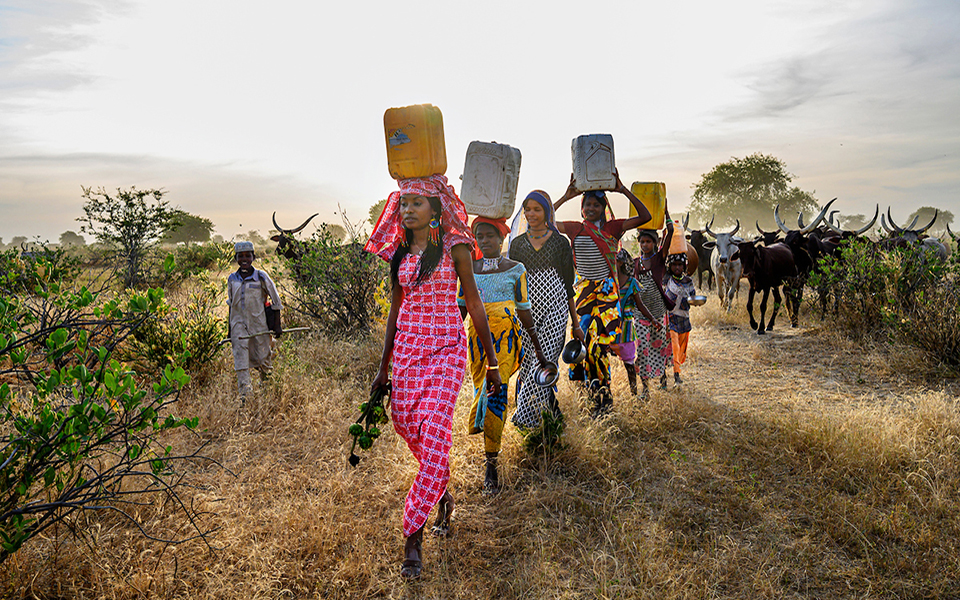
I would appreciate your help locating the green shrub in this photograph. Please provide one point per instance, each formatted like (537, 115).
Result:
(903, 293)
(335, 284)
(79, 431)
(187, 335)
(209, 256)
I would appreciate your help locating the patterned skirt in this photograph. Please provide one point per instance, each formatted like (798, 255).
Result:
(426, 382)
(654, 348)
(598, 306)
(486, 414)
(548, 306)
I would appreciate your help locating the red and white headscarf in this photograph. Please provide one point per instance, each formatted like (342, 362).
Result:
(389, 231)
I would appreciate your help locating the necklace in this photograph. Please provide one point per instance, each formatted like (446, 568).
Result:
(491, 264)
(537, 237)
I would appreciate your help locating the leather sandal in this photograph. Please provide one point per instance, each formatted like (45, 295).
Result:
(412, 568)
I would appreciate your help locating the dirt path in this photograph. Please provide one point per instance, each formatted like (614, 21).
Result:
(805, 369)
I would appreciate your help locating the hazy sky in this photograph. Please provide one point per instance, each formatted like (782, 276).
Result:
(241, 108)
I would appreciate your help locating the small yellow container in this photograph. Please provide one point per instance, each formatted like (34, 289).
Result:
(653, 195)
(415, 145)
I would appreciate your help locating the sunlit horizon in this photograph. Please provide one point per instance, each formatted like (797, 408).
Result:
(239, 110)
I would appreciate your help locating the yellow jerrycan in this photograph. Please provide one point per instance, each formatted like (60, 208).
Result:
(415, 145)
(653, 195)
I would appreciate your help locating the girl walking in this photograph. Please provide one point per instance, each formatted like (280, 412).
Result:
(536, 243)
(502, 284)
(596, 240)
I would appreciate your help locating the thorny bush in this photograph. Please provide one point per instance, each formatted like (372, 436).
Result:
(904, 293)
(80, 431)
(335, 283)
(187, 335)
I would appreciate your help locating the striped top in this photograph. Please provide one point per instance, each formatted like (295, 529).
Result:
(651, 296)
(590, 261)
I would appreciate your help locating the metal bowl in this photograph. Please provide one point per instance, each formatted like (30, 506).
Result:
(546, 375)
(698, 300)
(574, 352)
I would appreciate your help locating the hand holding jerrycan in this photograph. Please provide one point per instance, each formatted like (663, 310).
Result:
(593, 162)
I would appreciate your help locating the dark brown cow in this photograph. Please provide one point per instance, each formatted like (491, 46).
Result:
(766, 268)
(695, 239)
(287, 245)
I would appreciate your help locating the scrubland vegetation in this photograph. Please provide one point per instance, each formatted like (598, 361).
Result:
(804, 464)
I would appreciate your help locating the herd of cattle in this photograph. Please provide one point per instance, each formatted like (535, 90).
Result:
(768, 262)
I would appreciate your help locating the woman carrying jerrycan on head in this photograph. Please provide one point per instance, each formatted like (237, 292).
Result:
(502, 284)
(423, 233)
(536, 242)
(596, 241)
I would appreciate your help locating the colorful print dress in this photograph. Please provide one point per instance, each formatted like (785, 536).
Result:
(597, 295)
(503, 293)
(550, 278)
(654, 350)
(429, 361)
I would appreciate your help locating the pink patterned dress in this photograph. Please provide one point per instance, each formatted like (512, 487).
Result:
(429, 362)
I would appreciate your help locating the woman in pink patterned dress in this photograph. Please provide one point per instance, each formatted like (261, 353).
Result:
(423, 232)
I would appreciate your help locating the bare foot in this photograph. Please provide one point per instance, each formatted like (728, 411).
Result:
(443, 526)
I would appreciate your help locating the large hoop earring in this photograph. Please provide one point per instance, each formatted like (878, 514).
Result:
(435, 231)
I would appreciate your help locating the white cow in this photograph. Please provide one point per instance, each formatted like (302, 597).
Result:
(727, 272)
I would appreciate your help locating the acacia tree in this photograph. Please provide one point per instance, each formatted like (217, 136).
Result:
(925, 213)
(189, 228)
(131, 222)
(748, 189)
(72, 238)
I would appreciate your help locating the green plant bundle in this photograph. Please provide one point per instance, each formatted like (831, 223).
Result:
(366, 429)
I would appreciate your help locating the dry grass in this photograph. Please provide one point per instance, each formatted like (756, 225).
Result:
(793, 465)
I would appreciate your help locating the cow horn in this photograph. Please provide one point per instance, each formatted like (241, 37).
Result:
(866, 227)
(757, 224)
(952, 235)
(815, 222)
(776, 217)
(897, 228)
(800, 220)
(280, 229)
(294, 230)
(706, 227)
(936, 213)
(686, 221)
(736, 229)
(830, 218)
(883, 222)
(304, 224)
(834, 228)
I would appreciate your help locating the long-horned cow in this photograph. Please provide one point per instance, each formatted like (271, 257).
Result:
(696, 239)
(766, 268)
(287, 245)
(902, 236)
(727, 269)
(807, 250)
